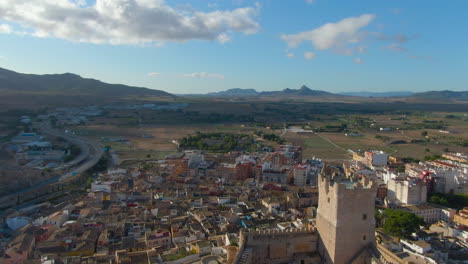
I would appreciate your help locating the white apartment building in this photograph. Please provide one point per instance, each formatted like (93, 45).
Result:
(405, 190)
(432, 213)
(301, 174)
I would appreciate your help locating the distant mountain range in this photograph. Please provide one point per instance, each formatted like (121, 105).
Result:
(68, 84)
(235, 92)
(462, 96)
(379, 94)
(305, 91)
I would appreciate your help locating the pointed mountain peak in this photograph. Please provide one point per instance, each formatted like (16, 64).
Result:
(304, 88)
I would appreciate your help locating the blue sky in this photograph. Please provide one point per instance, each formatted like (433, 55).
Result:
(211, 45)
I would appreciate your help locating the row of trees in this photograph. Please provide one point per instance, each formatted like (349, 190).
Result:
(218, 142)
(270, 137)
(458, 201)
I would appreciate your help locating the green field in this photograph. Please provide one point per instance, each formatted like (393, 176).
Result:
(154, 136)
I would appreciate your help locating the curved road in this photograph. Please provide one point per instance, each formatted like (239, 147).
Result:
(90, 154)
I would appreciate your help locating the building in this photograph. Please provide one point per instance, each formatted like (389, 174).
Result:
(461, 217)
(382, 192)
(432, 213)
(456, 156)
(55, 155)
(287, 155)
(275, 247)
(227, 171)
(245, 167)
(301, 174)
(405, 190)
(375, 158)
(441, 176)
(420, 247)
(158, 238)
(26, 138)
(345, 219)
(277, 174)
(358, 157)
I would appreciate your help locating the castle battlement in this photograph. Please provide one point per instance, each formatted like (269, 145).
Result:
(340, 184)
(268, 232)
(277, 246)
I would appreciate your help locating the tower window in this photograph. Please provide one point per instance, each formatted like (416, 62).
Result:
(364, 237)
(364, 216)
(328, 199)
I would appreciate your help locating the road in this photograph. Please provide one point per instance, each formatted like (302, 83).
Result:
(333, 143)
(90, 154)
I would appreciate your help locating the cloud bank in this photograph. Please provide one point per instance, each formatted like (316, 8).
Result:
(204, 75)
(139, 22)
(332, 35)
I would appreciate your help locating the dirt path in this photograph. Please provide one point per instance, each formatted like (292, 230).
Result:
(331, 142)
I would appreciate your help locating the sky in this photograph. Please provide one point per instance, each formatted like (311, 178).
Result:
(199, 46)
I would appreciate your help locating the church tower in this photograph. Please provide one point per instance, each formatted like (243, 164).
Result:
(345, 218)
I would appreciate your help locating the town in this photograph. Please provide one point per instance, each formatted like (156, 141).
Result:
(262, 206)
(233, 131)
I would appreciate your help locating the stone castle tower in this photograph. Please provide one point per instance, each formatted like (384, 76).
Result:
(345, 219)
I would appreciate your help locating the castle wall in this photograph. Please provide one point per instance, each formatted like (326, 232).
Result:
(273, 246)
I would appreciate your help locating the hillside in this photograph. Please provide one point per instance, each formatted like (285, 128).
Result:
(443, 95)
(306, 92)
(379, 94)
(235, 92)
(303, 91)
(68, 84)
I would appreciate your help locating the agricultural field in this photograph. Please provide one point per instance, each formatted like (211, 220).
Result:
(150, 141)
(406, 139)
(155, 134)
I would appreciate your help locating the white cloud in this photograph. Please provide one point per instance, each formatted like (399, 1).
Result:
(337, 36)
(358, 60)
(361, 49)
(154, 74)
(204, 75)
(4, 28)
(80, 2)
(310, 2)
(398, 38)
(138, 22)
(290, 55)
(396, 47)
(309, 55)
(224, 38)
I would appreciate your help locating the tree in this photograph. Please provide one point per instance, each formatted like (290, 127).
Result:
(432, 157)
(457, 201)
(424, 133)
(401, 224)
(438, 200)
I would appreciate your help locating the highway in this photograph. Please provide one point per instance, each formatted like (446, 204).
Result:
(90, 154)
